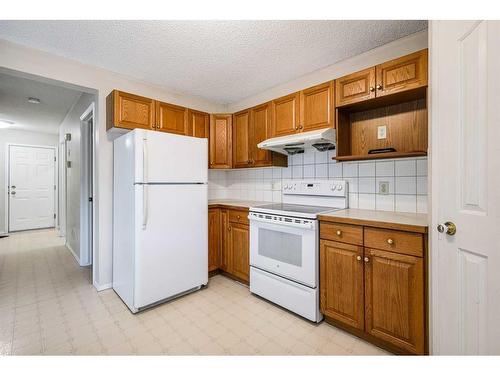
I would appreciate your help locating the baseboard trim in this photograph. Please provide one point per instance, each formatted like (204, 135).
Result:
(103, 286)
(72, 252)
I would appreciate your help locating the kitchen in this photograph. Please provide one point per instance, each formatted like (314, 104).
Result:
(313, 200)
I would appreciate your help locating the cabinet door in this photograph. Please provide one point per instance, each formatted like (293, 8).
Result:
(316, 107)
(240, 250)
(285, 115)
(171, 118)
(260, 130)
(394, 299)
(130, 111)
(355, 87)
(213, 239)
(241, 141)
(198, 124)
(406, 73)
(220, 141)
(341, 282)
(225, 261)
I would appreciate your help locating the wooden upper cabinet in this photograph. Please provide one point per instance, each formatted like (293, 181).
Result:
(240, 244)
(214, 254)
(316, 107)
(171, 118)
(220, 141)
(355, 87)
(341, 282)
(129, 111)
(394, 299)
(198, 123)
(260, 130)
(405, 73)
(241, 140)
(285, 115)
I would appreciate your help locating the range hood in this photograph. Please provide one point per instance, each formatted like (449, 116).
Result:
(322, 140)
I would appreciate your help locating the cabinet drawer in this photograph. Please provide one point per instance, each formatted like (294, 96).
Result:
(352, 234)
(239, 216)
(394, 240)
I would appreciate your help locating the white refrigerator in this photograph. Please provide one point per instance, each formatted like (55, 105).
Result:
(160, 217)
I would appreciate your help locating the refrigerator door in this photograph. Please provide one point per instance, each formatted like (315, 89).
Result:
(171, 242)
(169, 158)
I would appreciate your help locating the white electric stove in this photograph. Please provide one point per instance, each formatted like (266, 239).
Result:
(284, 244)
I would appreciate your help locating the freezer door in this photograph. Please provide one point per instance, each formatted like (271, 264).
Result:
(171, 241)
(170, 158)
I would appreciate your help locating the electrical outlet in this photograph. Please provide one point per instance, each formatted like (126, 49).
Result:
(382, 132)
(383, 187)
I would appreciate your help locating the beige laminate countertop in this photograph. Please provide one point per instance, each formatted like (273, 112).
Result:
(381, 219)
(234, 203)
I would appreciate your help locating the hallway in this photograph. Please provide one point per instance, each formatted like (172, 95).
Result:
(48, 306)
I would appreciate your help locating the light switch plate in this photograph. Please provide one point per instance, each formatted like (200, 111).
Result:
(382, 132)
(383, 187)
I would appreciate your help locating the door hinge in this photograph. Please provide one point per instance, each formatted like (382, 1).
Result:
(54, 216)
(54, 187)
(90, 199)
(54, 158)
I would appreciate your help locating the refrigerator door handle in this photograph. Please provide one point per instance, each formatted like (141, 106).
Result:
(144, 206)
(145, 180)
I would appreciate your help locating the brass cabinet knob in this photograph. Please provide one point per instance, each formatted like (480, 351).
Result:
(449, 227)
(372, 89)
(390, 241)
(339, 233)
(358, 258)
(379, 87)
(366, 259)
(229, 229)
(238, 217)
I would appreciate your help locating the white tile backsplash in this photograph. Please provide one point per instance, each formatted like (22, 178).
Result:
(407, 181)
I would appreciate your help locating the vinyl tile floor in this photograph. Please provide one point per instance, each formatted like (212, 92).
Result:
(48, 306)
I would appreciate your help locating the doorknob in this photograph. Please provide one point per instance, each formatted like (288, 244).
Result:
(449, 228)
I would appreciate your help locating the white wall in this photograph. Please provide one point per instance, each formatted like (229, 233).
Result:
(373, 57)
(71, 125)
(21, 137)
(31, 61)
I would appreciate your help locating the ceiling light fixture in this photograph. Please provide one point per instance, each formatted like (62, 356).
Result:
(5, 124)
(34, 100)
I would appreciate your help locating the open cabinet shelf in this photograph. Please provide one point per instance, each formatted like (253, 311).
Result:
(385, 155)
(406, 130)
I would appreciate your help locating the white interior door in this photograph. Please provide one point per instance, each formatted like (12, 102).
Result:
(31, 187)
(465, 277)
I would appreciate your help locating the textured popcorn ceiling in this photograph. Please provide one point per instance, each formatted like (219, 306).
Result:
(223, 61)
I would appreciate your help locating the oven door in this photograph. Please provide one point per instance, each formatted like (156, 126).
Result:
(285, 246)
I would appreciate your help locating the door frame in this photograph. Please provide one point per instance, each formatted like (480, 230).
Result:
(86, 231)
(7, 180)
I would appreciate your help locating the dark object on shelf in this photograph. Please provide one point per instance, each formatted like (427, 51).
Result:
(381, 150)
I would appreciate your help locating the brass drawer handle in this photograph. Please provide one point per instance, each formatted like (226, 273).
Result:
(379, 87)
(339, 233)
(372, 89)
(358, 258)
(366, 259)
(390, 241)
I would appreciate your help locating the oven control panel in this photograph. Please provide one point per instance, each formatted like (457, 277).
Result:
(329, 188)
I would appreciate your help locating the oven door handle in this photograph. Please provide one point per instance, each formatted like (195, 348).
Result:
(309, 226)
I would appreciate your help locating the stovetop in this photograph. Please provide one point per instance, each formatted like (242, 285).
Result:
(294, 210)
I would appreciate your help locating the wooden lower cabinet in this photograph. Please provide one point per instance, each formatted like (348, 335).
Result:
(377, 294)
(394, 299)
(214, 253)
(231, 233)
(239, 243)
(341, 282)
